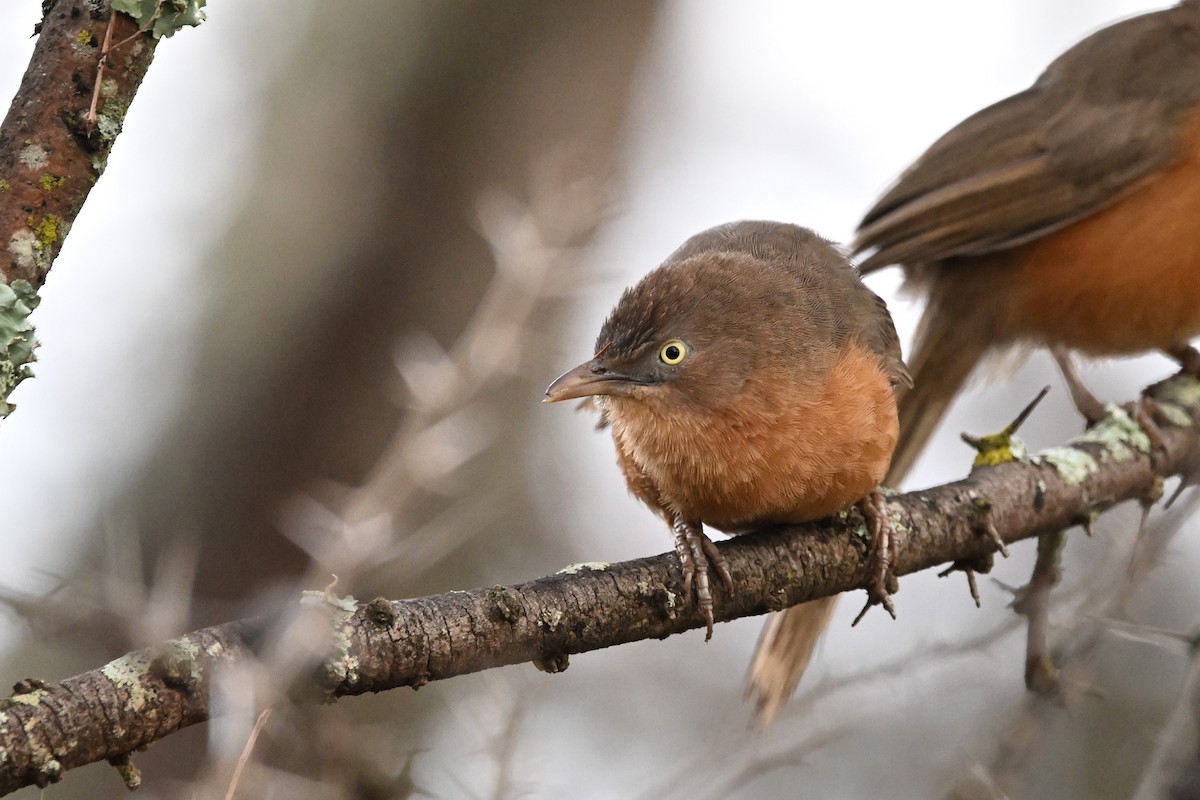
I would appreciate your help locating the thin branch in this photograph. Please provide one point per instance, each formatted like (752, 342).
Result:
(47, 729)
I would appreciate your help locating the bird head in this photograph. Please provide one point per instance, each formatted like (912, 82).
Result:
(688, 335)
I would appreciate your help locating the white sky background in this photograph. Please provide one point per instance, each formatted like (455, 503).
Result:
(802, 112)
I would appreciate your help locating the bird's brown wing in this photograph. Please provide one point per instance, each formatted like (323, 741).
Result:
(1104, 116)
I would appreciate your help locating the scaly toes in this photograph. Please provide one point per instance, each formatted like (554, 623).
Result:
(883, 552)
(696, 553)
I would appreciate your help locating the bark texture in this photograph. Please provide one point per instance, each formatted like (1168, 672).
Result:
(51, 151)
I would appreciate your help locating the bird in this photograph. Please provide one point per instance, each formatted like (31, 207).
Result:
(748, 381)
(1064, 216)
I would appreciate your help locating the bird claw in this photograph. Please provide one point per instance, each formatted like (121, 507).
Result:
(883, 581)
(697, 555)
(1147, 412)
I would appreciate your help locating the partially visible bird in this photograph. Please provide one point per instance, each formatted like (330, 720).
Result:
(1067, 216)
(750, 380)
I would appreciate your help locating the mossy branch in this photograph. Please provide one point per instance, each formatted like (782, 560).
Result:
(47, 729)
(54, 143)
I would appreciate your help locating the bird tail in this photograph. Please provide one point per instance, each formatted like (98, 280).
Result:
(944, 355)
(784, 649)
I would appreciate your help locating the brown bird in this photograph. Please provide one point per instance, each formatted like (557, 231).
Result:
(750, 380)
(1066, 216)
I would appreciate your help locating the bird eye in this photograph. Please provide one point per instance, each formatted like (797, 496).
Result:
(673, 352)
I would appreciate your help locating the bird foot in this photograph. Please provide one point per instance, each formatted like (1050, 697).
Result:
(1188, 358)
(1147, 413)
(697, 555)
(882, 583)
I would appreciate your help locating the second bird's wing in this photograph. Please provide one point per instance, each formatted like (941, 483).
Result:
(1118, 107)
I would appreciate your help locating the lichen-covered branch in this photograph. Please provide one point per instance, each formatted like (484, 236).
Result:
(51, 154)
(54, 143)
(382, 644)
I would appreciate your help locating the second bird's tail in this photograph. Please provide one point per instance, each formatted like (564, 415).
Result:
(943, 357)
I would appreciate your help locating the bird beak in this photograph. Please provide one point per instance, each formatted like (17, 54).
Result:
(588, 379)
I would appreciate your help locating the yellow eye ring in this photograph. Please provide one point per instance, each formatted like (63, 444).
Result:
(673, 352)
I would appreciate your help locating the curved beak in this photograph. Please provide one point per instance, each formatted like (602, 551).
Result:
(588, 379)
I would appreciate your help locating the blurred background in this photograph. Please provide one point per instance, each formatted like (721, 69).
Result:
(367, 236)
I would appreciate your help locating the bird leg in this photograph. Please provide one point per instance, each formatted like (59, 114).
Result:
(696, 554)
(1087, 403)
(1141, 410)
(883, 552)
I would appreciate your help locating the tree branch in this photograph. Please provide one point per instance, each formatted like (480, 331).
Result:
(382, 644)
(54, 143)
(51, 153)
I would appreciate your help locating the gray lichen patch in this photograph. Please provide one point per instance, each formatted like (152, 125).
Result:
(33, 156)
(588, 566)
(341, 665)
(129, 672)
(22, 246)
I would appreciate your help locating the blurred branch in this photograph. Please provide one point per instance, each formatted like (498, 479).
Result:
(383, 644)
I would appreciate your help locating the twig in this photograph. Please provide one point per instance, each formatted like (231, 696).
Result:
(1033, 602)
(244, 758)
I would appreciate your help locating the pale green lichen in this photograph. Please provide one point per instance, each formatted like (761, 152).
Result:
(589, 566)
(550, 619)
(129, 673)
(33, 698)
(1072, 464)
(1182, 391)
(1119, 437)
(1175, 415)
(1119, 434)
(163, 17)
(4, 185)
(17, 340)
(899, 523)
